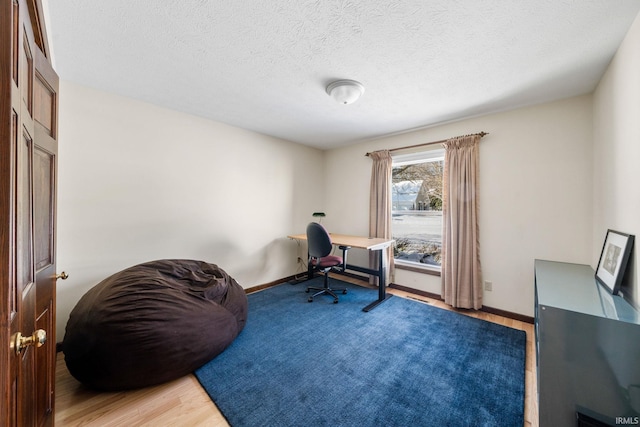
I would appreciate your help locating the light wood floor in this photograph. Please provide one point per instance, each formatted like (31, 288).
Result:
(183, 402)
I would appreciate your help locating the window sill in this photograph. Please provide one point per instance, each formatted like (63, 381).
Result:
(417, 268)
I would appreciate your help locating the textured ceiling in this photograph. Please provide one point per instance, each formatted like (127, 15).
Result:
(264, 65)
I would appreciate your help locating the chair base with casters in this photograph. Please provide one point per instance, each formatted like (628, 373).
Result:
(326, 289)
(325, 264)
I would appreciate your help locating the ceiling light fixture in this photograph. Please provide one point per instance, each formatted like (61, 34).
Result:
(345, 91)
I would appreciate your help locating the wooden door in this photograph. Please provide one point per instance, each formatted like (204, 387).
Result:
(28, 160)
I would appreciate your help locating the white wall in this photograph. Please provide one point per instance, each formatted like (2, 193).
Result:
(138, 182)
(616, 138)
(535, 193)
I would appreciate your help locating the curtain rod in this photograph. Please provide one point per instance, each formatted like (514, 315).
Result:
(434, 142)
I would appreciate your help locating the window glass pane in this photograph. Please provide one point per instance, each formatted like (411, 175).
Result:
(417, 211)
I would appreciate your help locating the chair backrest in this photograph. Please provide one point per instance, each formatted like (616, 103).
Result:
(318, 240)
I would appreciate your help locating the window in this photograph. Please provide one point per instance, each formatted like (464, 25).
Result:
(417, 209)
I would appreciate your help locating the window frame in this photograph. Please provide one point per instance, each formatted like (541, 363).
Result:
(423, 156)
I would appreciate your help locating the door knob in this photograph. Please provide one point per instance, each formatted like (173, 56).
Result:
(19, 342)
(62, 276)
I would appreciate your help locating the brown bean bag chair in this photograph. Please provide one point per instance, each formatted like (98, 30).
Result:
(152, 323)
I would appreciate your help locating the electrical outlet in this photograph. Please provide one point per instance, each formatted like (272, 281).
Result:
(488, 286)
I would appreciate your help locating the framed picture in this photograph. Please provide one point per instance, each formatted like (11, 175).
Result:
(613, 260)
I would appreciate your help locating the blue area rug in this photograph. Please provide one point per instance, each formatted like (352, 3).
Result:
(405, 363)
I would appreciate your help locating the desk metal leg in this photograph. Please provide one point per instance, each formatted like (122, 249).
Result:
(381, 274)
(309, 269)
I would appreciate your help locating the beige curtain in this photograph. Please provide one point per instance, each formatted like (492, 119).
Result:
(461, 272)
(380, 208)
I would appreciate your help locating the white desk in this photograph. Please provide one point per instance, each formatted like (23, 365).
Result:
(368, 243)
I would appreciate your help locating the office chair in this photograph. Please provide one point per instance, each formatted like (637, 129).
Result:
(320, 259)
